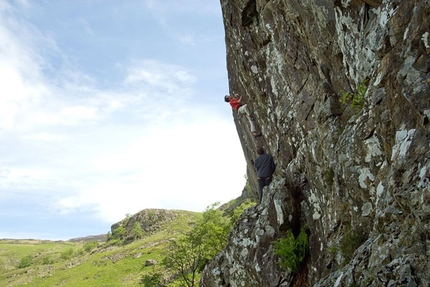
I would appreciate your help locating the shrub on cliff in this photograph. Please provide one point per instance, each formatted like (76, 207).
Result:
(291, 250)
(189, 254)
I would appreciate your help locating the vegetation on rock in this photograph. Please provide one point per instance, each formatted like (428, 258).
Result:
(355, 100)
(292, 250)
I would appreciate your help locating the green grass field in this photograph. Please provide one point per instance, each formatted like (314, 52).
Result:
(39, 263)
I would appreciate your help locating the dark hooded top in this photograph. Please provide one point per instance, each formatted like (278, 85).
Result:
(264, 165)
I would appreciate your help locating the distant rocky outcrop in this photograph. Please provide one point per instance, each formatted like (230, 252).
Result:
(89, 238)
(340, 90)
(149, 221)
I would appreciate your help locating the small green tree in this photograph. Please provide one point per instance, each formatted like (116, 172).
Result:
(212, 230)
(237, 212)
(25, 262)
(189, 254)
(291, 250)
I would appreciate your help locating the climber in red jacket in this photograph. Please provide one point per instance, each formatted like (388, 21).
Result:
(242, 109)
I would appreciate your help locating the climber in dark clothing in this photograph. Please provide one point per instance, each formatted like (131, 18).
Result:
(265, 167)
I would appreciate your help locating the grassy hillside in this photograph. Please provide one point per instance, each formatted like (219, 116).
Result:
(47, 263)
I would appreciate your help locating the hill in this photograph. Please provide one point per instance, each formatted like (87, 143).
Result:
(90, 238)
(90, 261)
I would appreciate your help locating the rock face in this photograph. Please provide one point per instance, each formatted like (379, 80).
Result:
(149, 220)
(340, 90)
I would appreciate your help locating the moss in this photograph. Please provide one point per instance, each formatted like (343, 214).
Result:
(329, 176)
(383, 222)
(344, 209)
(351, 241)
(333, 249)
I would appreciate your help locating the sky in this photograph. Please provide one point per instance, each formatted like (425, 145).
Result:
(110, 107)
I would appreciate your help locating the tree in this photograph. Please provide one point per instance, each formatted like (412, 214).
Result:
(237, 212)
(25, 261)
(189, 254)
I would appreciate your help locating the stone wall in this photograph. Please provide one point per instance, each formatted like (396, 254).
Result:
(356, 176)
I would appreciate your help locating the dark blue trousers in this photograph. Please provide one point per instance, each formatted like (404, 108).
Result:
(262, 182)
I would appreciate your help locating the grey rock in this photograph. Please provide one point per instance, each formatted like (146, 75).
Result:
(355, 177)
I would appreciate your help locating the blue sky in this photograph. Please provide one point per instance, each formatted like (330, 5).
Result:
(109, 107)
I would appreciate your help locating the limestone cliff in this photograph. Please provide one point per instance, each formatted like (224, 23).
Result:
(340, 91)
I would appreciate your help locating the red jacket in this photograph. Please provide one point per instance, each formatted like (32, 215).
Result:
(235, 104)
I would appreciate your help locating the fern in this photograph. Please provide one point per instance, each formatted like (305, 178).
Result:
(291, 250)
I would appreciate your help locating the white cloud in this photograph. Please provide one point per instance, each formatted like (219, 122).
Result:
(180, 166)
(45, 137)
(146, 141)
(163, 77)
(82, 113)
